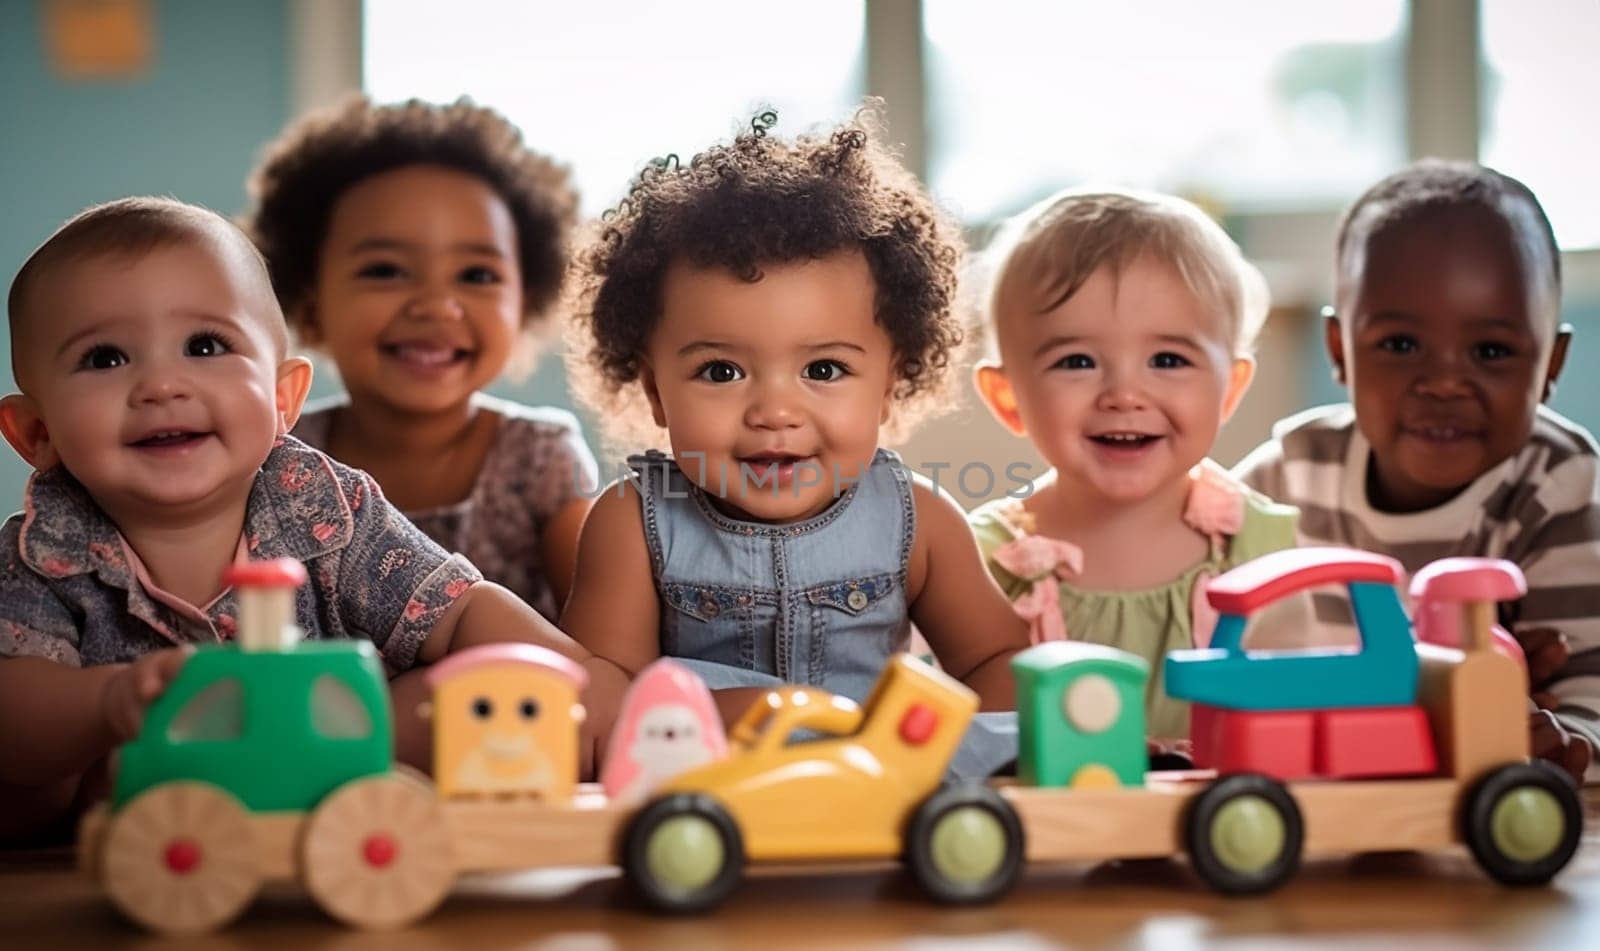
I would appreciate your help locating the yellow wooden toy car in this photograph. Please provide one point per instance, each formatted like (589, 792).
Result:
(812, 776)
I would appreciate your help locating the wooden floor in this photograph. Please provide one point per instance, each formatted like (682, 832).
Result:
(1377, 901)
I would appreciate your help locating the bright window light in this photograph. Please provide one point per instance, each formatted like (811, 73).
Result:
(1539, 67)
(1255, 105)
(607, 85)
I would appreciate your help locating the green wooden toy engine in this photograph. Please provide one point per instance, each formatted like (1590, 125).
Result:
(278, 724)
(1080, 715)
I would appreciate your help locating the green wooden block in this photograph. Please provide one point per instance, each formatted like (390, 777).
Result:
(1080, 714)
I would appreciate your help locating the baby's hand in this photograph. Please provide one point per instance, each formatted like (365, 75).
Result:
(602, 699)
(125, 696)
(1550, 740)
(1546, 650)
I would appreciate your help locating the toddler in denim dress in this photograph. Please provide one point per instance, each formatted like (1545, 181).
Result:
(751, 604)
(775, 306)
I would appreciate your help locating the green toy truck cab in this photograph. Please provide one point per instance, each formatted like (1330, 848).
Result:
(1080, 715)
(279, 730)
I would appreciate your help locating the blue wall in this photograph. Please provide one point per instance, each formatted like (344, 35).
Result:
(189, 127)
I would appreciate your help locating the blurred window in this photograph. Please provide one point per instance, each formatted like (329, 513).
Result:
(607, 85)
(1256, 105)
(1539, 68)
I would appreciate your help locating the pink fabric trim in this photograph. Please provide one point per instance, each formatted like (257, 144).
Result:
(184, 609)
(1215, 508)
(1042, 562)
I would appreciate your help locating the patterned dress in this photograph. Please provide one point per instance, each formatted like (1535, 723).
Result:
(538, 463)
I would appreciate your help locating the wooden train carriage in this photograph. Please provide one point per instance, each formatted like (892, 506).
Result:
(506, 722)
(1246, 832)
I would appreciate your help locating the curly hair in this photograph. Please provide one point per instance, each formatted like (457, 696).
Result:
(756, 201)
(1432, 184)
(315, 161)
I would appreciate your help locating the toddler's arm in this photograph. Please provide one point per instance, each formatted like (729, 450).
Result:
(1561, 560)
(957, 605)
(559, 545)
(57, 722)
(1262, 470)
(564, 505)
(613, 611)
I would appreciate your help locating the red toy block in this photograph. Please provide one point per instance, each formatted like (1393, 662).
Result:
(1277, 743)
(1258, 583)
(1202, 734)
(1374, 741)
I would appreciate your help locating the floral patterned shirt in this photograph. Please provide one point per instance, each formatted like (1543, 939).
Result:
(68, 591)
(538, 463)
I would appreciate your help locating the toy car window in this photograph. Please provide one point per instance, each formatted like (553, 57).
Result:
(215, 714)
(336, 712)
(1320, 617)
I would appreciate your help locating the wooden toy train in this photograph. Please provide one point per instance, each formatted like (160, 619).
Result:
(272, 761)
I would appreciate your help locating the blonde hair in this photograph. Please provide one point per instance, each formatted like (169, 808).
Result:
(1041, 257)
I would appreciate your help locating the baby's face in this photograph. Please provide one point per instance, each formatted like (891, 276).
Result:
(1123, 386)
(772, 393)
(419, 293)
(1445, 340)
(154, 377)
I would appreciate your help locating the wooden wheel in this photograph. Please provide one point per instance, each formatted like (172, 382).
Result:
(181, 858)
(376, 853)
(965, 845)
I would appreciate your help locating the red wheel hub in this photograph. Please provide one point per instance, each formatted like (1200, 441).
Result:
(379, 850)
(182, 856)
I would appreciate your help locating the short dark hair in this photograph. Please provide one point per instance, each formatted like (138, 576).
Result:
(1432, 184)
(304, 173)
(133, 227)
(762, 200)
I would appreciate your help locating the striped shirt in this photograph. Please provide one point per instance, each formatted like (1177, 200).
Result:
(1540, 509)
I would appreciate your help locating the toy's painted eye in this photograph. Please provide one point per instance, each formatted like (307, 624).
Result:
(482, 708)
(529, 708)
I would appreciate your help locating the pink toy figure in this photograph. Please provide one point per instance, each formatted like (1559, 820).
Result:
(1437, 619)
(668, 724)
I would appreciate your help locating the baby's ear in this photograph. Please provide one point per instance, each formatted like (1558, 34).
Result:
(1333, 338)
(25, 430)
(1558, 359)
(995, 389)
(294, 382)
(1240, 373)
(647, 379)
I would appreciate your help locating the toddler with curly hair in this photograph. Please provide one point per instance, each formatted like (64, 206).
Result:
(772, 305)
(419, 246)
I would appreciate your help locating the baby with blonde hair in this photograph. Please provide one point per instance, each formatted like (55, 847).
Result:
(1120, 326)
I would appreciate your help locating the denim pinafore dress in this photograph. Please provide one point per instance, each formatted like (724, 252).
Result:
(749, 604)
